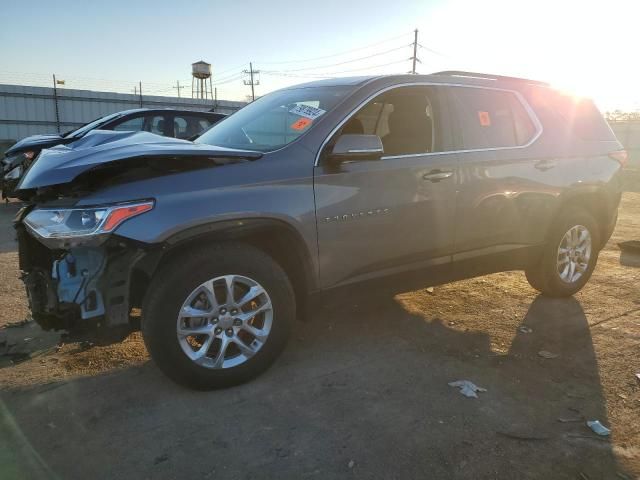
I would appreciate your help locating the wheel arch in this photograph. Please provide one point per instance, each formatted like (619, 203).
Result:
(281, 241)
(596, 202)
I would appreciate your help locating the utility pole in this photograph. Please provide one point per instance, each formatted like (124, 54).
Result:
(55, 99)
(140, 92)
(178, 87)
(251, 72)
(415, 51)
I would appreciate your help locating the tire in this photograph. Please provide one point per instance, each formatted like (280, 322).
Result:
(184, 285)
(548, 276)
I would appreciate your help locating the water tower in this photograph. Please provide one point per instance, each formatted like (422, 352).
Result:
(201, 72)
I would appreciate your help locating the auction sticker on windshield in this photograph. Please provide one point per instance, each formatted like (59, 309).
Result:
(307, 111)
(301, 124)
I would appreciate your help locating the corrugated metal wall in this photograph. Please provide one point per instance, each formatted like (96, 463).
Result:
(28, 110)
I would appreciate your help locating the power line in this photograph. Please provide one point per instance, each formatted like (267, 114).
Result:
(345, 62)
(229, 80)
(330, 74)
(435, 52)
(338, 54)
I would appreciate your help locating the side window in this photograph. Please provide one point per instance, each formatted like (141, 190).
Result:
(186, 126)
(131, 125)
(155, 124)
(406, 119)
(180, 127)
(491, 118)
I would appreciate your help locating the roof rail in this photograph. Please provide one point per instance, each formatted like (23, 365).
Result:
(488, 76)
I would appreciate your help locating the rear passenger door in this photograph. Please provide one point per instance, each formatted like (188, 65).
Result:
(154, 123)
(396, 214)
(501, 185)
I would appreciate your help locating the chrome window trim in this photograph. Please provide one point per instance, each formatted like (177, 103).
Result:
(518, 95)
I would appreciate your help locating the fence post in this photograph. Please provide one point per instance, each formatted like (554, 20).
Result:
(55, 102)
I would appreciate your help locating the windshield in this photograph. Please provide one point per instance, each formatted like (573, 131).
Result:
(274, 120)
(87, 127)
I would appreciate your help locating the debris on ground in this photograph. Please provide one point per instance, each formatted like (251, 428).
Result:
(521, 436)
(638, 376)
(467, 388)
(598, 428)
(569, 420)
(630, 246)
(351, 464)
(525, 329)
(430, 289)
(547, 354)
(19, 324)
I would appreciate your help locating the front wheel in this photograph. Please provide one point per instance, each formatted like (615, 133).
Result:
(218, 316)
(569, 257)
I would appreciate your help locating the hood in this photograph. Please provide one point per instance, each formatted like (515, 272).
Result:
(63, 163)
(34, 141)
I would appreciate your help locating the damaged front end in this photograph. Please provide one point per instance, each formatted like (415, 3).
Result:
(75, 266)
(68, 282)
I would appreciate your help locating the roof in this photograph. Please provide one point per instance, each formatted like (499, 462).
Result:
(449, 76)
(163, 109)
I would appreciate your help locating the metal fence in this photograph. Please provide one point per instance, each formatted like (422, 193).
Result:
(629, 135)
(26, 110)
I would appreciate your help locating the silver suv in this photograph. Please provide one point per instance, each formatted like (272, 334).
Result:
(389, 182)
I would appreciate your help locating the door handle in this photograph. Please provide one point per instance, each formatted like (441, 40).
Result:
(437, 175)
(543, 165)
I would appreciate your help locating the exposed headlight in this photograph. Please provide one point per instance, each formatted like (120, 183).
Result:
(17, 159)
(50, 223)
(14, 174)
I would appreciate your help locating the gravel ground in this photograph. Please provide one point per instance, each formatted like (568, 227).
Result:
(360, 392)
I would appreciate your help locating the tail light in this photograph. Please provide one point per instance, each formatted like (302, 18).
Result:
(620, 156)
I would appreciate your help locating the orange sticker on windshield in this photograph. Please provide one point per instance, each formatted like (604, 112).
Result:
(485, 119)
(301, 124)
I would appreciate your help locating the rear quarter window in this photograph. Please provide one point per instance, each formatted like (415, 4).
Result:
(491, 118)
(580, 116)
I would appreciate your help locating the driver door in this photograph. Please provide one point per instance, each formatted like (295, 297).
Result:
(395, 214)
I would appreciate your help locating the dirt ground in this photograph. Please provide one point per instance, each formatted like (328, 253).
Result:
(360, 392)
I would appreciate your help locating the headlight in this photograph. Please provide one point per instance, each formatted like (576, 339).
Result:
(51, 223)
(14, 174)
(18, 159)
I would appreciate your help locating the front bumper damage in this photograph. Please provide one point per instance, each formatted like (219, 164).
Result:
(68, 287)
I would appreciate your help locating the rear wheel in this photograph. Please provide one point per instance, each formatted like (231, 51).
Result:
(569, 257)
(218, 317)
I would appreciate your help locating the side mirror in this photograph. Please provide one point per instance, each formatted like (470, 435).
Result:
(351, 147)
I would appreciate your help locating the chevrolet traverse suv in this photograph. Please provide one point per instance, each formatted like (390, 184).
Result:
(394, 181)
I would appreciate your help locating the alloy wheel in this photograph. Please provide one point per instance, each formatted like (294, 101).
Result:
(224, 321)
(574, 253)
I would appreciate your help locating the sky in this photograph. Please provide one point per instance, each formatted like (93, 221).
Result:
(584, 47)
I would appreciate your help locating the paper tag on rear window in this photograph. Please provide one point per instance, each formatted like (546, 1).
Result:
(307, 111)
(485, 119)
(301, 124)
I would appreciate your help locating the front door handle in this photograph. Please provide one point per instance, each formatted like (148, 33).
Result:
(437, 175)
(543, 165)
